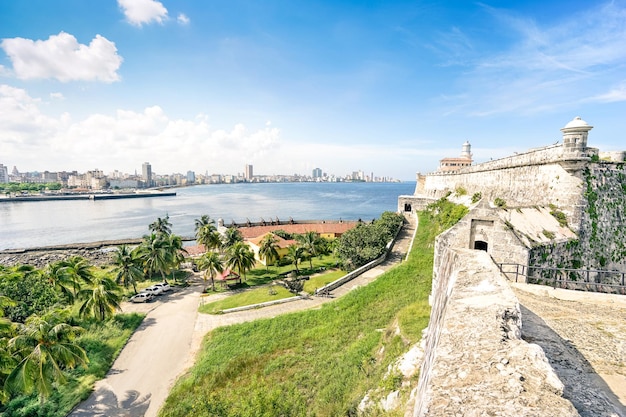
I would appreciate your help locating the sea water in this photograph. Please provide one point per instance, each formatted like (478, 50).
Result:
(44, 223)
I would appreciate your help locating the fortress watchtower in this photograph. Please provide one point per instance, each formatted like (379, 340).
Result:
(575, 137)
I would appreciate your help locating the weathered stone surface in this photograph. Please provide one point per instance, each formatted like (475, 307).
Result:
(476, 364)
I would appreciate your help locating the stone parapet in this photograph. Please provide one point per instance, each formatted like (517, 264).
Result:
(476, 362)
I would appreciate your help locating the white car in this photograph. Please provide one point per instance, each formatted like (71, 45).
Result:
(164, 286)
(154, 290)
(142, 297)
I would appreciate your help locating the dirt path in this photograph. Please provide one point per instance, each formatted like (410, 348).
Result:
(166, 343)
(584, 338)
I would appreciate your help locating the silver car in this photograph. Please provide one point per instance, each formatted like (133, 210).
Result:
(142, 297)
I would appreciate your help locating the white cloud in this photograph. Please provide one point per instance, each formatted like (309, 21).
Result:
(615, 94)
(138, 12)
(547, 67)
(182, 19)
(123, 140)
(63, 58)
(57, 96)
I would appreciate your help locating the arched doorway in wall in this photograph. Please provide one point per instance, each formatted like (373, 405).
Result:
(481, 245)
(407, 207)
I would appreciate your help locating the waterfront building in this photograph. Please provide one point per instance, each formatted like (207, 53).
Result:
(191, 177)
(248, 173)
(146, 173)
(4, 174)
(317, 173)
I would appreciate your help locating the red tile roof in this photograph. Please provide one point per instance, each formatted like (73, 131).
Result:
(335, 228)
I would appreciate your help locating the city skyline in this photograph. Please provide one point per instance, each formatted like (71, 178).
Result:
(393, 87)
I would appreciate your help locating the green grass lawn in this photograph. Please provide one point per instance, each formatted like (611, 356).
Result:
(246, 298)
(312, 363)
(320, 280)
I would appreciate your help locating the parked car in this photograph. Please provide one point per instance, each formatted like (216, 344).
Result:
(142, 297)
(164, 286)
(154, 290)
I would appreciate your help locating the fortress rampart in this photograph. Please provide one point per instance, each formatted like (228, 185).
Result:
(559, 206)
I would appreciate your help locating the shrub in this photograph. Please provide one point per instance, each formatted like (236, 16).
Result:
(460, 191)
(499, 202)
(476, 197)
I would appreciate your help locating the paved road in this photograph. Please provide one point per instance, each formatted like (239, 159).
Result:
(166, 343)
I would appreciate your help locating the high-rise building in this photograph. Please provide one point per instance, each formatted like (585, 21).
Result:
(146, 173)
(248, 173)
(4, 174)
(317, 173)
(191, 177)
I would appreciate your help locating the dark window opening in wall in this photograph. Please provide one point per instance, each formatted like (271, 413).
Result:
(407, 207)
(481, 245)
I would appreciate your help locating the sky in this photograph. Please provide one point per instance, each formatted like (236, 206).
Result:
(386, 87)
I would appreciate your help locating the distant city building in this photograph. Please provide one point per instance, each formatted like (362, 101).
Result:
(146, 173)
(454, 164)
(248, 173)
(191, 177)
(317, 173)
(4, 174)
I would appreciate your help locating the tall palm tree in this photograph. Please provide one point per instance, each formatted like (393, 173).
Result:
(208, 237)
(204, 221)
(45, 347)
(295, 254)
(57, 275)
(127, 268)
(268, 249)
(78, 272)
(211, 264)
(231, 237)
(240, 257)
(311, 245)
(101, 301)
(154, 254)
(175, 251)
(161, 225)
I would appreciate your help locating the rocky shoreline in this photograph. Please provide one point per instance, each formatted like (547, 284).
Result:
(97, 253)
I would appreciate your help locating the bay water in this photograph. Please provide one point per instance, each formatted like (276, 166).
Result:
(45, 223)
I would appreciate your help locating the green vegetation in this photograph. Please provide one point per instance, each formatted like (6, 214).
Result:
(319, 362)
(246, 298)
(460, 191)
(366, 242)
(58, 335)
(558, 215)
(498, 202)
(445, 213)
(319, 281)
(29, 187)
(476, 197)
(550, 235)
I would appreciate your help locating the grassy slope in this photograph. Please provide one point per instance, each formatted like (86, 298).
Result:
(313, 363)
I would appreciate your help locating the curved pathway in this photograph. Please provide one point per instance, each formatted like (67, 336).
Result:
(166, 343)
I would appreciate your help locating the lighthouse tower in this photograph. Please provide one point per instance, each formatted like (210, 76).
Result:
(466, 151)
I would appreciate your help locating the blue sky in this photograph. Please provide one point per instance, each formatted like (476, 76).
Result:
(388, 87)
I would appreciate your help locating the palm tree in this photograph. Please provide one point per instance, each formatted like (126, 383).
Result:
(57, 276)
(175, 251)
(231, 237)
(101, 301)
(268, 249)
(161, 225)
(311, 244)
(211, 264)
(127, 266)
(295, 254)
(78, 272)
(207, 236)
(154, 254)
(241, 257)
(204, 221)
(44, 347)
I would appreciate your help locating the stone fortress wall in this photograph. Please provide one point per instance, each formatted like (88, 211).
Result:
(564, 208)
